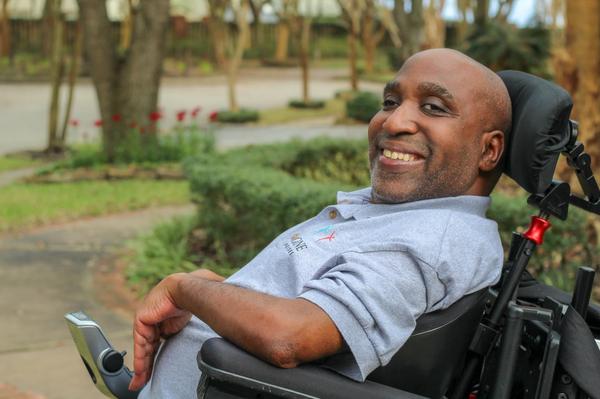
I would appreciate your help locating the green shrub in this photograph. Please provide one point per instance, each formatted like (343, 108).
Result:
(162, 252)
(363, 106)
(311, 104)
(500, 45)
(243, 207)
(241, 116)
(174, 146)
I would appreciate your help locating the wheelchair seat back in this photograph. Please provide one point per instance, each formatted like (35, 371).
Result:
(443, 334)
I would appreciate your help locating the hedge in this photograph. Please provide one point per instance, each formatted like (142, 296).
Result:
(363, 106)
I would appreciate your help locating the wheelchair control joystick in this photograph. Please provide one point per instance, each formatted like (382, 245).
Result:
(104, 364)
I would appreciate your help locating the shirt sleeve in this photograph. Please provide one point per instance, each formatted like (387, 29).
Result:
(374, 299)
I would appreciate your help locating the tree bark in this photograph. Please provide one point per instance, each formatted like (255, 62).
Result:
(435, 27)
(126, 28)
(304, 57)
(218, 31)
(368, 37)
(353, 11)
(353, 56)
(583, 44)
(410, 25)
(54, 145)
(282, 41)
(238, 52)
(73, 73)
(5, 34)
(126, 85)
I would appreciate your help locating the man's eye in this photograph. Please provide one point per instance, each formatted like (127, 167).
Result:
(432, 108)
(388, 103)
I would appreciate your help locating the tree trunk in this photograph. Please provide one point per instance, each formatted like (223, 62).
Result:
(238, 52)
(481, 12)
(73, 72)
(369, 41)
(411, 27)
(126, 85)
(47, 28)
(583, 44)
(283, 38)
(435, 28)
(126, 28)
(304, 57)
(352, 57)
(216, 29)
(54, 144)
(5, 34)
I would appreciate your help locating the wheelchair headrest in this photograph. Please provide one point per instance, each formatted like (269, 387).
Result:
(540, 129)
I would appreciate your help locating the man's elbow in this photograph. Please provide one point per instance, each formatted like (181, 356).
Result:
(285, 344)
(282, 353)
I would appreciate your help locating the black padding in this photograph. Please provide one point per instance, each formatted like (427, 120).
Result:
(433, 355)
(540, 129)
(233, 370)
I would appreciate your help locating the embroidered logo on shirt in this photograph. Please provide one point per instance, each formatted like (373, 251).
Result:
(325, 229)
(329, 237)
(296, 244)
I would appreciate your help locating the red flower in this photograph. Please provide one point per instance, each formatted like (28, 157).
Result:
(142, 130)
(155, 116)
(213, 116)
(74, 122)
(181, 116)
(98, 123)
(133, 125)
(116, 118)
(195, 112)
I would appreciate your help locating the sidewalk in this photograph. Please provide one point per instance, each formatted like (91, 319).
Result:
(47, 273)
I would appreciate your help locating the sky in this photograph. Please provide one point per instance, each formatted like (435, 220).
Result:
(521, 14)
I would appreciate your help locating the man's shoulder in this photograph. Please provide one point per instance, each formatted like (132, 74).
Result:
(424, 228)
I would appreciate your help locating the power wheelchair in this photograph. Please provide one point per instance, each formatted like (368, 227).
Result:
(518, 339)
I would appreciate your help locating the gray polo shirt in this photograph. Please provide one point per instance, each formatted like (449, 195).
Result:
(373, 268)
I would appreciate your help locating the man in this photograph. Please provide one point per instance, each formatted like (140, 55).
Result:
(347, 285)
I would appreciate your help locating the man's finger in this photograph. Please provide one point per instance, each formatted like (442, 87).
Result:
(145, 343)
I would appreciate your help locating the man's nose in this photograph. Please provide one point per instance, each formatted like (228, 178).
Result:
(402, 120)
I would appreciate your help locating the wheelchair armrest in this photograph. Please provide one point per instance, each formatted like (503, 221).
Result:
(225, 364)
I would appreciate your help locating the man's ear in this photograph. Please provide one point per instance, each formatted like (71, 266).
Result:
(492, 149)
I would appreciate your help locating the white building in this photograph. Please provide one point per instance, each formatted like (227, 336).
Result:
(193, 10)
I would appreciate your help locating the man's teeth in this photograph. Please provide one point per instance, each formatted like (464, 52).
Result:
(401, 156)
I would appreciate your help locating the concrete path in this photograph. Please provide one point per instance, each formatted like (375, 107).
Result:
(24, 106)
(235, 136)
(46, 273)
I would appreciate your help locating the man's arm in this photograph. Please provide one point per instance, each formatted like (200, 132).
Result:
(284, 332)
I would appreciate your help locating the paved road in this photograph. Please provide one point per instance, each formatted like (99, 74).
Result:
(46, 273)
(24, 107)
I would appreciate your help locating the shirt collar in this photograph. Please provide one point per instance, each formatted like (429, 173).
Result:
(358, 204)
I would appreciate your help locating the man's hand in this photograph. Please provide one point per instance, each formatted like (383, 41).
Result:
(158, 317)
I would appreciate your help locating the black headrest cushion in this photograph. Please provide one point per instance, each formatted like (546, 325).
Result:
(540, 129)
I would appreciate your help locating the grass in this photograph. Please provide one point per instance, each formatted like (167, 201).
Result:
(12, 163)
(334, 107)
(27, 205)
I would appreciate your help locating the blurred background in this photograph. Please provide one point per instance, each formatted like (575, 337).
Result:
(139, 138)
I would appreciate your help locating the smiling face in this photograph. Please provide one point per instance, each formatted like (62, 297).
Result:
(429, 139)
